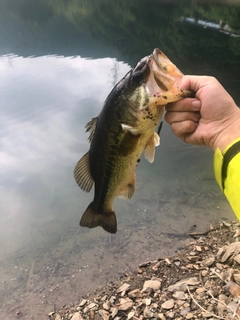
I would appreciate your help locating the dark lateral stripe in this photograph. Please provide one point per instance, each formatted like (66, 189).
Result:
(229, 155)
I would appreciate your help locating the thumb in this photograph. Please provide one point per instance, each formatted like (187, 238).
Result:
(193, 82)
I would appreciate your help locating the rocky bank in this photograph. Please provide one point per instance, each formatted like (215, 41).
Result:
(201, 281)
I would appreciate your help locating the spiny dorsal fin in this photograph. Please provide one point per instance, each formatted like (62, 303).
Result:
(128, 191)
(90, 127)
(82, 173)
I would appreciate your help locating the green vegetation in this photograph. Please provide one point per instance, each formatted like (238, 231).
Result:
(135, 27)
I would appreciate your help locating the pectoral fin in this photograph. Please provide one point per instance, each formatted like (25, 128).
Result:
(133, 130)
(82, 173)
(128, 191)
(149, 151)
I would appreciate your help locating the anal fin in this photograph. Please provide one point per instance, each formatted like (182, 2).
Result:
(128, 191)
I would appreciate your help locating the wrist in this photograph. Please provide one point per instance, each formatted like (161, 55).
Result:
(228, 134)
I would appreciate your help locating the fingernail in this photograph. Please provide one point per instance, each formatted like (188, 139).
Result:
(196, 104)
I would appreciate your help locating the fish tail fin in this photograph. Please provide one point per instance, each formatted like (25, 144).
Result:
(92, 218)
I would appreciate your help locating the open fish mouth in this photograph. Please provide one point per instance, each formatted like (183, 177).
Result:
(163, 76)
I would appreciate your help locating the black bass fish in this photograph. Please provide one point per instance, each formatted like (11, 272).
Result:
(124, 129)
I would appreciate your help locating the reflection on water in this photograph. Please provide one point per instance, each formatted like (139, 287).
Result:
(47, 101)
(46, 259)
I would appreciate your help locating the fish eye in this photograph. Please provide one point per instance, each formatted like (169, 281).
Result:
(140, 66)
(141, 70)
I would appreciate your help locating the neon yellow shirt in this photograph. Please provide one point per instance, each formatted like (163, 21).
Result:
(230, 185)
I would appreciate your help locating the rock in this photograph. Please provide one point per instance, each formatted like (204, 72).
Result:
(112, 299)
(222, 298)
(92, 305)
(156, 266)
(114, 312)
(148, 313)
(233, 306)
(144, 264)
(237, 258)
(182, 284)
(179, 295)
(170, 314)
(204, 273)
(206, 314)
(125, 304)
(82, 303)
(232, 250)
(233, 289)
(184, 311)
(161, 316)
(201, 292)
(189, 315)
(148, 301)
(51, 314)
(131, 314)
(219, 253)
(58, 317)
(192, 253)
(237, 233)
(168, 304)
(236, 277)
(152, 284)
(219, 265)
(85, 310)
(104, 314)
(106, 305)
(134, 294)
(226, 224)
(123, 287)
(104, 298)
(227, 275)
(198, 248)
(76, 316)
(208, 262)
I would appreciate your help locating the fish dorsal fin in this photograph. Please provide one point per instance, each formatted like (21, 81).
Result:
(128, 191)
(82, 173)
(149, 152)
(90, 127)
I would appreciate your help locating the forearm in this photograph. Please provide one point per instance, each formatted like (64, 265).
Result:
(227, 173)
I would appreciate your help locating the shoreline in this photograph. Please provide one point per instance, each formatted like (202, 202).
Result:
(201, 281)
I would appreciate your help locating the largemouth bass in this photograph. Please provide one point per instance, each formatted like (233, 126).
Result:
(124, 129)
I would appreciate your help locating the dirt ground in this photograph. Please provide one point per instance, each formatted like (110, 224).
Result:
(201, 281)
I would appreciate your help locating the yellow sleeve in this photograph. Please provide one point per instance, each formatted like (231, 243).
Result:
(230, 168)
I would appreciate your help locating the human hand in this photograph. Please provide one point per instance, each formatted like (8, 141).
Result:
(211, 118)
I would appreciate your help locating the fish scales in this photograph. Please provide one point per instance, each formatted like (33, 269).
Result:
(124, 129)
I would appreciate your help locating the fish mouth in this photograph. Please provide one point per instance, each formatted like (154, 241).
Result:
(164, 75)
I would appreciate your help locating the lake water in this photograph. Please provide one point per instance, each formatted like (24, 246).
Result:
(58, 62)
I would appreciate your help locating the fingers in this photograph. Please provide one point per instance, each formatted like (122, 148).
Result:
(182, 129)
(183, 116)
(196, 82)
(186, 104)
(175, 117)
